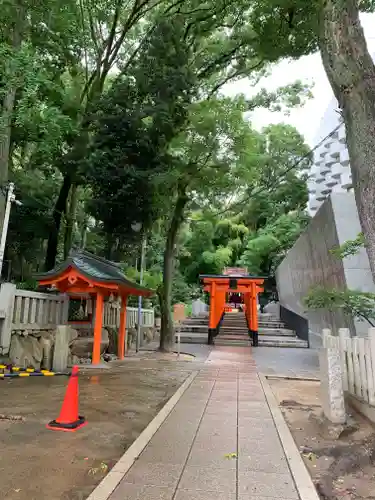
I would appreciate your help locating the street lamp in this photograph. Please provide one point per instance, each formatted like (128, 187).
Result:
(137, 227)
(11, 198)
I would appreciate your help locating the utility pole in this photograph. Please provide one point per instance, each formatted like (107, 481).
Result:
(9, 200)
(143, 255)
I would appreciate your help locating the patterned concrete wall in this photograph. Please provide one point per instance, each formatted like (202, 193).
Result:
(309, 263)
(330, 172)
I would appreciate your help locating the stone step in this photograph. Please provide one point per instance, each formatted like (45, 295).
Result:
(203, 329)
(262, 342)
(202, 321)
(224, 342)
(278, 332)
(266, 341)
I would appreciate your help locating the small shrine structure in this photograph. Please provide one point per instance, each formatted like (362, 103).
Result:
(233, 280)
(86, 275)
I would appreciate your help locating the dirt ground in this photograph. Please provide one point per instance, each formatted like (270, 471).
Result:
(39, 464)
(342, 468)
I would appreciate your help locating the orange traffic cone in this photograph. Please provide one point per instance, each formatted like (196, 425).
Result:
(69, 420)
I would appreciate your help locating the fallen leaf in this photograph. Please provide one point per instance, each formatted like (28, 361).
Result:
(231, 455)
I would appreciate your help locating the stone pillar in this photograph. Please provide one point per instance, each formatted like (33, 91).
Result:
(331, 387)
(7, 296)
(61, 350)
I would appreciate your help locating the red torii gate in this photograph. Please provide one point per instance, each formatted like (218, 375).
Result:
(218, 286)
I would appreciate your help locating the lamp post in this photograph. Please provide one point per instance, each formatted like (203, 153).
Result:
(137, 226)
(11, 198)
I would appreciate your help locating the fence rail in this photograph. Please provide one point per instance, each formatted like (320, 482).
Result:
(112, 316)
(28, 310)
(357, 356)
(33, 310)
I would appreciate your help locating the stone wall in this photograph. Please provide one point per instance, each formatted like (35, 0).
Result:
(309, 263)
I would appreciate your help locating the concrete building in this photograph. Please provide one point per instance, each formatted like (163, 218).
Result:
(309, 263)
(330, 172)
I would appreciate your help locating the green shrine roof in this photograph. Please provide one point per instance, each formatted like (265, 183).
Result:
(94, 268)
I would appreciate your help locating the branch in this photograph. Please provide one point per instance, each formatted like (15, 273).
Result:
(229, 77)
(94, 35)
(112, 34)
(220, 60)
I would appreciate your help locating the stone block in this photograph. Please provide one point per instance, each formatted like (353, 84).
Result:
(331, 386)
(26, 352)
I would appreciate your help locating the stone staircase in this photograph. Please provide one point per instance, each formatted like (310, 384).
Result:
(233, 331)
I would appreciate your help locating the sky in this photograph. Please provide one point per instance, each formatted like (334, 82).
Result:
(308, 69)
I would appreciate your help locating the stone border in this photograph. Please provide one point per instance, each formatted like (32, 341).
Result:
(107, 486)
(301, 476)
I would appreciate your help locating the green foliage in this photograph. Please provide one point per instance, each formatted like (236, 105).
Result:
(350, 247)
(267, 247)
(135, 124)
(134, 142)
(360, 305)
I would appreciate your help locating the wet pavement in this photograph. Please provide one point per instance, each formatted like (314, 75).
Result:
(287, 362)
(219, 442)
(118, 404)
(220, 413)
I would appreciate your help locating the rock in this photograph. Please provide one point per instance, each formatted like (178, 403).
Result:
(109, 357)
(75, 360)
(333, 431)
(132, 335)
(83, 346)
(26, 352)
(113, 340)
(306, 449)
(149, 334)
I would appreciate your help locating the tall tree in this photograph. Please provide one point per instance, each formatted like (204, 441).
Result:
(351, 72)
(136, 122)
(296, 28)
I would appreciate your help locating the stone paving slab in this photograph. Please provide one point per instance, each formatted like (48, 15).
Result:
(219, 443)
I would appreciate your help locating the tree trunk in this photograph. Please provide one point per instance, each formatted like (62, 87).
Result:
(59, 209)
(70, 220)
(7, 109)
(351, 72)
(165, 296)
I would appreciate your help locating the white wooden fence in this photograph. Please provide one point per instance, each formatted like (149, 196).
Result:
(112, 316)
(357, 357)
(27, 310)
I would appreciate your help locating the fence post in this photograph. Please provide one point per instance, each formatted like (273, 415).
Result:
(357, 371)
(331, 389)
(371, 344)
(344, 333)
(7, 297)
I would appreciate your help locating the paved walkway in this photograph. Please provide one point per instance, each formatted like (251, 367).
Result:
(219, 442)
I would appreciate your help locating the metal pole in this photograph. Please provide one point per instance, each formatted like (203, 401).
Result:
(10, 198)
(143, 254)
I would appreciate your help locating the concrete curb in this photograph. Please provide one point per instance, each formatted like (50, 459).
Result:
(107, 486)
(301, 476)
